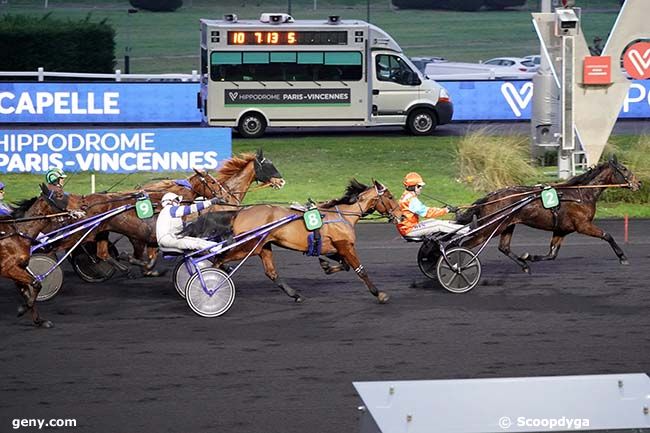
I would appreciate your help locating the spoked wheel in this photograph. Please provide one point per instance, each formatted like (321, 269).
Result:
(428, 255)
(462, 273)
(40, 264)
(88, 266)
(182, 275)
(216, 298)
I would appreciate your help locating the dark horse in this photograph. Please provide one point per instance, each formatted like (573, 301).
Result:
(578, 197)
(337, 233)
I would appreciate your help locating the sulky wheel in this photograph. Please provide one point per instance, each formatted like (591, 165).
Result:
(460, 272)
(39, 264)
(182, 274)
(88, 266)
(428, 255)
(217, 296)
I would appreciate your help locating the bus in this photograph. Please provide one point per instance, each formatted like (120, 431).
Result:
(281, 72)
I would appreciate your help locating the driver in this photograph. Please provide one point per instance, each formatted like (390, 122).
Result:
(413, 209)
(170, 224)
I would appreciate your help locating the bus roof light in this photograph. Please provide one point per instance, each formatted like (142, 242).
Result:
(334, 19)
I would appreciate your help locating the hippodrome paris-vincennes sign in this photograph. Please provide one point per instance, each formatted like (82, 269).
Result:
(287, 96)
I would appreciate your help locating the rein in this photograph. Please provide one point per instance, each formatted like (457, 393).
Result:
(34, 218)
(612, 185)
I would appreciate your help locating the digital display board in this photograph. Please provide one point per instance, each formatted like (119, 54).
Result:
(263, 37)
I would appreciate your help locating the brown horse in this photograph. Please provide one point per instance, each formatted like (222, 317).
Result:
(337, 233)
(232, 183)
(578, 197)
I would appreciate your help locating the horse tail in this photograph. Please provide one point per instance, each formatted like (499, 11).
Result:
(466, 216)
(212, 225)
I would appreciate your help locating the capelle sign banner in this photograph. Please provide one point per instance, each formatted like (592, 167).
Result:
(158, 103)
(114, 150)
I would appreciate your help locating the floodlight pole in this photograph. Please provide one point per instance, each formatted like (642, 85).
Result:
(288, 7)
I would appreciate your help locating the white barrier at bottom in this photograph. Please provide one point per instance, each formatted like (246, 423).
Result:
(529, 404)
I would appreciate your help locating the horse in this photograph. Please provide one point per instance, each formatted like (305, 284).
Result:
(232, 183)
(337, 233)
(17, 234)
(576, 211)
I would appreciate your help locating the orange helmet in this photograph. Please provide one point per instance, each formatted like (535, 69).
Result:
(412, 179)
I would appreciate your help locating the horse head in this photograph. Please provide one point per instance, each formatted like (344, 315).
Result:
(265, 171)
(382, 201)
(622, 174)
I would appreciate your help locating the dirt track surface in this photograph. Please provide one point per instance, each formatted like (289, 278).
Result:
(130, 356)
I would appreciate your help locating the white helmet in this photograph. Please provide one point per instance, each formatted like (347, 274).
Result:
(171, 198)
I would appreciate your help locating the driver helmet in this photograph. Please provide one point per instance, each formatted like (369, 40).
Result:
(53, 175)
(171, 198)
(413, 179)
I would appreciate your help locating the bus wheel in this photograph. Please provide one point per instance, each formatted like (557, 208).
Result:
(421, 122)
(252, 125)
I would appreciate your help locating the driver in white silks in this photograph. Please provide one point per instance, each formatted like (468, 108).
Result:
(413, 209)
(170, 224)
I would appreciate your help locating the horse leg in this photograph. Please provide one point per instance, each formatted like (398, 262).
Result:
(590, 229)
(269, 269)
(29, 289)
(348, 253)
(504, 247)
(328, 268)
(556, 243)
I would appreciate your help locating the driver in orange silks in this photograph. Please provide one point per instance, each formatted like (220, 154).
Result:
(413, 209)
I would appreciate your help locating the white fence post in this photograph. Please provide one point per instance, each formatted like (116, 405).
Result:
(118, 75)
(41, 75)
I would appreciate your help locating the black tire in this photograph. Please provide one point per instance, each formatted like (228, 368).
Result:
(252, 125)
(422, 121)
(463, 271)
(428, 256)
(88, 266)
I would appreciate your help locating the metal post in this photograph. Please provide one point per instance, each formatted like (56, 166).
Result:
(367, 11)
(127, 48)
(289, 7)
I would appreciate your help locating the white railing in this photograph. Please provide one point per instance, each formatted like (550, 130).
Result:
(41, 75)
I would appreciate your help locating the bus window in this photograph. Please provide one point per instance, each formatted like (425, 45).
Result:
(286, 66)
(392, 68)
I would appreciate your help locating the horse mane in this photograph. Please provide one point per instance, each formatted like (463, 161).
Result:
(586, 177)
(234, 165)
(212, 225)
(351, 195)
(22, 207)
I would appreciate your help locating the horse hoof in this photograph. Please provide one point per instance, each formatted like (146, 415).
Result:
(383, 297)
(45, 324)
(22, 309)
(299, 299)
(524, 256)
(526, 270)
(153, 274)
(625, 262)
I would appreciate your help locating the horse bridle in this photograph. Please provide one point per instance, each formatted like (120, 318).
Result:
(222, 187)
(380, 199)
(617, 167)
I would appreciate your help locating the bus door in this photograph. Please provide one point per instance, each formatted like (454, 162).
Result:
(394, 86)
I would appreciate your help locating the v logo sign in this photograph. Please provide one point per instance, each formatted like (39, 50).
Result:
(637, 60)
(518, 100)
(233, 95)
(641, 63)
